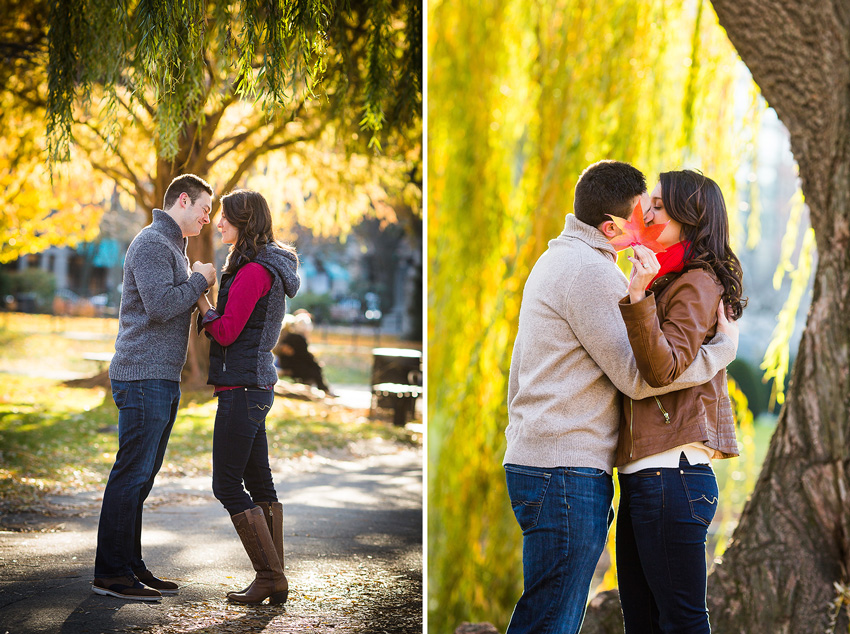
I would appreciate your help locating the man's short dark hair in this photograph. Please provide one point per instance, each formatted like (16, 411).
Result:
(191, 184)
(607, 187)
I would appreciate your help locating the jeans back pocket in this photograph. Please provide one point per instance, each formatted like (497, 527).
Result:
(120, 397)
(259, 403)
(527, 489)
(701, 489)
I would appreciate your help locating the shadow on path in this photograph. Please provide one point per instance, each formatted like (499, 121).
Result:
(352, 537)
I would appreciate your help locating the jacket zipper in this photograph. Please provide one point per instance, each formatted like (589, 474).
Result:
(663, 411)
(224, 361)
(632, 426)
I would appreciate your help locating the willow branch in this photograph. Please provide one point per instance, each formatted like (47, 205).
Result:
(127, 182)
(234, 141)
(125, 82)
(264, 149)
(210, 126)
(135, 115)
(22, 181)
(130, 174)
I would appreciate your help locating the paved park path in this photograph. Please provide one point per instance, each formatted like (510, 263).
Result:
(352, 537)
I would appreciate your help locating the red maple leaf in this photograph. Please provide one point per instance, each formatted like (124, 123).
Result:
(635, 231)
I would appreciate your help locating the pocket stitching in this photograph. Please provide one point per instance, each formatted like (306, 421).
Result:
(262, 411)
(694, 513)
(122, 394)
(538, 504)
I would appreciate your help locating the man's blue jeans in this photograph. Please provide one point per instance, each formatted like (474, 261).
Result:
(564, 513)
(146, 413)
(662, 524)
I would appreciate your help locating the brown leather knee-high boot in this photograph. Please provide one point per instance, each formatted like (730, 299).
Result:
(273, 512)
(270, 581)
(274, 518)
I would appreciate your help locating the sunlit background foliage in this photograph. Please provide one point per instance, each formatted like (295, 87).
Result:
(109, 95)
(522, 96)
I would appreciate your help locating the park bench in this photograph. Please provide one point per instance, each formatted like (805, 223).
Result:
(403, 398)
(102, 358)
(396, 381)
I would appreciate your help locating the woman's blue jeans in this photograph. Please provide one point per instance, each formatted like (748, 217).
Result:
(146, 413)
(662, 525)
(240, 449)
(564, 514)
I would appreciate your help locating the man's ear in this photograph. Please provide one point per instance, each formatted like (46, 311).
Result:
(609, 229)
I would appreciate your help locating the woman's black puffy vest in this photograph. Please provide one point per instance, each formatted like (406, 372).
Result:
(249, 360)
(236, 364)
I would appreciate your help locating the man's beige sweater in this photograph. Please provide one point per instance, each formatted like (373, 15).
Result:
(572, 359)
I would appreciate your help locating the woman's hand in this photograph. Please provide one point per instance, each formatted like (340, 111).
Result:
(645, 268)
(727, 327)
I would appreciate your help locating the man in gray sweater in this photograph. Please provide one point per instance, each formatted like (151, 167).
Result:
(158, 297)
(571, 360)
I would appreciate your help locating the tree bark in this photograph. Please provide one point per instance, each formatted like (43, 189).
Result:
(792, 543)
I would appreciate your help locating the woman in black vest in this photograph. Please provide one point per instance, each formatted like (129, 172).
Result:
(243, 328)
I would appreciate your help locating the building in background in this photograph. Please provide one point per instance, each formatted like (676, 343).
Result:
(372, 277)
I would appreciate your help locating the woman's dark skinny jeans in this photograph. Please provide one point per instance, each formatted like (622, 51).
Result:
(240, 449)
(662, 523)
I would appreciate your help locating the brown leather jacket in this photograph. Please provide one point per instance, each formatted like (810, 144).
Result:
(666, 330)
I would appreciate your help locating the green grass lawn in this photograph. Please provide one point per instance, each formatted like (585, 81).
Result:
(344, 364)
(56, 438)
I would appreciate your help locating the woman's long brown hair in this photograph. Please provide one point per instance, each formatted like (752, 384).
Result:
(696, 202)
(249, 212)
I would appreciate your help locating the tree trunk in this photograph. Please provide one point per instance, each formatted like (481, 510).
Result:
(200, 248)
(198, 356)
(792, 543)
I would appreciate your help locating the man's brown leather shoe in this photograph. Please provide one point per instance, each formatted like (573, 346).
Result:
(164, 587)
(125, 588)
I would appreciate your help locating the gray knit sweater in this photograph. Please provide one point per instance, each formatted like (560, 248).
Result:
(572, 357)
(157, 299)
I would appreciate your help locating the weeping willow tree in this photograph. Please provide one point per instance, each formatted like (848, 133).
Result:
(268, 51)
(146, 89)
(523, 96)
(327, 94)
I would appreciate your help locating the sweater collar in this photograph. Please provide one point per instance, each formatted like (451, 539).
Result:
(575, 228)
(167, 226)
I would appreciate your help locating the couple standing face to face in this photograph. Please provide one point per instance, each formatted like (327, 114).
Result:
(158, 297)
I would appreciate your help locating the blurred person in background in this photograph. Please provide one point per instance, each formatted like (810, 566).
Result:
(293, 355)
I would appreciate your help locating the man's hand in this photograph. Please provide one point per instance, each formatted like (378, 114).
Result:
(728, 328)
(207, 270)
